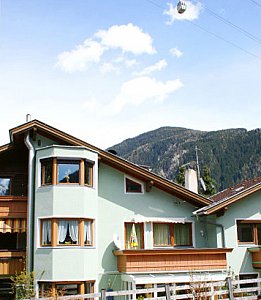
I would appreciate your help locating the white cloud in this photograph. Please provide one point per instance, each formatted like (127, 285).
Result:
(79, 58)
(141, 89)
(108, 68)
(156, 67)
(129, 38)
(192, 12)
(176, 52)
(129, 63)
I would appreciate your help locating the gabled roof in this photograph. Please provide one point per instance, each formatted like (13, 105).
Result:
(231, 195)
(108, 158)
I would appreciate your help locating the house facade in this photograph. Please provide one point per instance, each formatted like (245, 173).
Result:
(237, 211)
(86, 219)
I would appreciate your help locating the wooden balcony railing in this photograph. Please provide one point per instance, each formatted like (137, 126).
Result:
(11, 262)
(159, 260)
(13, 206)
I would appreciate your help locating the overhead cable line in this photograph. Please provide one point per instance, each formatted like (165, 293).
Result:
(245, 32)
(216, 35)
(255, 2)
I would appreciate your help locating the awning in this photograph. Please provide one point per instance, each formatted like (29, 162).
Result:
(142, 219)
(173, 277)
(12, 225)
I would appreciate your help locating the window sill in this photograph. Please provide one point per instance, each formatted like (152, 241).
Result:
(67, 247)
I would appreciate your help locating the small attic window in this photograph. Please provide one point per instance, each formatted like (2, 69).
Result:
(133, 186)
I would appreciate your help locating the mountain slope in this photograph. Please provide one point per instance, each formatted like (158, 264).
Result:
(232, 155)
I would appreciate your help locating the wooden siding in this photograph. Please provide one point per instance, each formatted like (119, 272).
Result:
(13, 206)
(171, 260)
(11, 262)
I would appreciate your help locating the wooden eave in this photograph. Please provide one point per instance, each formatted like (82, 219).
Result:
(224, 204)
(114, 161)
(6, 147)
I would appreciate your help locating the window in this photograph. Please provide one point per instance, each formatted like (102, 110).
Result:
(169, 234)
(249, 232)
(49, 289)
(66, 171)
(133, 186)
(66, 232)
(46, 232)
(134, 235)
(88, 167)
(5, 184)
(13, 234)
(47, 172)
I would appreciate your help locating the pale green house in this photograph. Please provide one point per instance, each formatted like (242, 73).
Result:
(96, 221)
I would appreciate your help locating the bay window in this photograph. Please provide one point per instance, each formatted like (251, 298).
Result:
(66, 171)
(66, 232)
(172, 234)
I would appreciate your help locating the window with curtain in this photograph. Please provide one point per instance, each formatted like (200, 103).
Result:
(172, 234)
(161, 234)
(46, 232)
(88, 233)
(68, 232)
(134, 236)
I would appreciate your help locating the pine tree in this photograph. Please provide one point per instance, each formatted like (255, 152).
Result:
(209, 183)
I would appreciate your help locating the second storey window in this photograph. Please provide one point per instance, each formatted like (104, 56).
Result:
(249, 232)
(66, 171)
(169, 234)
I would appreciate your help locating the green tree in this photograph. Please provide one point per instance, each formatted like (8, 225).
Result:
(180, 178)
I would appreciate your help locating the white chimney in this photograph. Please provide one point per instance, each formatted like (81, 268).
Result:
(191, 180)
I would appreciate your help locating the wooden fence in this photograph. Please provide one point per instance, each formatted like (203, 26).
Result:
(248, 289)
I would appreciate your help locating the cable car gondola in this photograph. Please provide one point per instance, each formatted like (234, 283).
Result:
(181, 7)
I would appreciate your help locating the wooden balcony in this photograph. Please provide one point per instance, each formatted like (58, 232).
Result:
(11, 262)
(13, 206)
(160, 260)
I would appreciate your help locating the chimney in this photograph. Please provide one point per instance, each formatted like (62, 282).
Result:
(191, 180)
(28, 118)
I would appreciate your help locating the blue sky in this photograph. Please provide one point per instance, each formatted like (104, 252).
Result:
(105, 71)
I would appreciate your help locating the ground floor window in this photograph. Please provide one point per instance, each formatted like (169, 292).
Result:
(50, 289)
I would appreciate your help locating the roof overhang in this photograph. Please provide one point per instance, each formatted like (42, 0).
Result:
(225, 203)
(114, 161)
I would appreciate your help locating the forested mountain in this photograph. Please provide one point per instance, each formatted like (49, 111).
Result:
(232, 155)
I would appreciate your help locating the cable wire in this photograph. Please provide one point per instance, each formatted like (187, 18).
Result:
(256, 3)
(218, 36)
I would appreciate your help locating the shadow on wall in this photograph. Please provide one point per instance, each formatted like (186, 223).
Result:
(246, 266)
(109, 261)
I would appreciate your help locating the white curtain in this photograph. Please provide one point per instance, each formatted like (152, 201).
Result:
(87, 233)
(73, 230)
(62, 230)
(46, 234)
